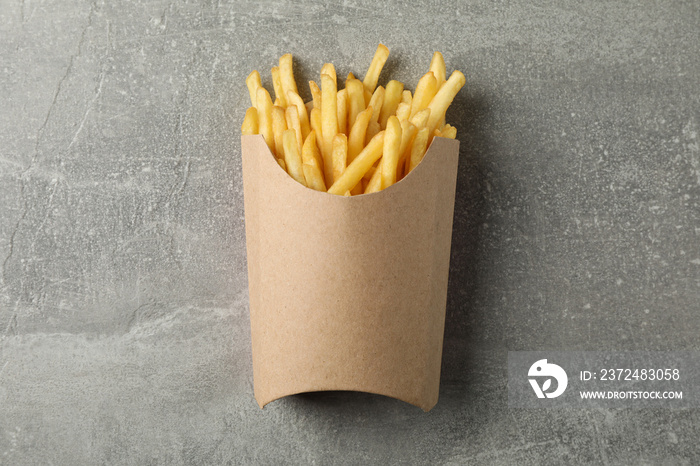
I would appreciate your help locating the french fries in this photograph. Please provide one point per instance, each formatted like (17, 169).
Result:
(356, 140)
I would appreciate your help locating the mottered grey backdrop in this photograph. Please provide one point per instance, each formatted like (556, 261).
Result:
(124, 331)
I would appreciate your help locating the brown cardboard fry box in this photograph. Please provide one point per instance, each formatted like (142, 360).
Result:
(348, 293)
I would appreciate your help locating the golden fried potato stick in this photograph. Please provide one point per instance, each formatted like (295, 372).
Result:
(310, 157)
(250, 121)
(420, 119)
(444, 97)
(287, 75)
(408, 132)
(294, 99)
(315, 94)
(350, 77)
(317, 152)
(356, 140)
(356, 100)
(253, 83)
(406, 97)
(265, 117)
(425, 91)
(315, 124)
(375, 67)
(373, 129)
(329, 123)
(292, 157)
(374, 184)
(448, 131)
(281, 163)
(376, 102)
(329, 69)
(279, 126)
(372, 170)
(392, 98)
(342, 109)
(277, 85)
(420, 143)
(292, 117)
(368, 96)
(437, 66)
(339, 155)
(354, 172)
(390, 154)
(402, 111)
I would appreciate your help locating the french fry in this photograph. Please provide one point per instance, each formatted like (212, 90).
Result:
(356, 140)
(329, 123)
(420, 143)
(292, 157)
(281, 163)
(292, 117)
(356, 100)
(313, 173)
(350, 77)
(392, 98)
(448, 131)
(315, 124)
(368, 96)
(390, 154)
(437, 66)
(373, 129)
(279, 126)
(287, 75)
(406, 97)
(374, 184)
(294, 99)
(372, 170)
(354, 172)
(408, 130)
(277, 85)
(250, 121)
(443, 98)
(315, 94)
(425, 91)
(375, 68)
(265, 117)
(342, 110)
(329, 69)
(339, 155)
(402, 111)
(420, 119)
(376, 102)
(253, 83)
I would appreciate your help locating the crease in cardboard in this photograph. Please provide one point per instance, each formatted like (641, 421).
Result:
(348, 293)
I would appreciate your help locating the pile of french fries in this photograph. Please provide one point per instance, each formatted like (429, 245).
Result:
(357, 140)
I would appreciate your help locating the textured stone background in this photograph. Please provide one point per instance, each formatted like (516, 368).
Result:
(124, 332)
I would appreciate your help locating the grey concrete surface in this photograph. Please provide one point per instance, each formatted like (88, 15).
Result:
(124, 331)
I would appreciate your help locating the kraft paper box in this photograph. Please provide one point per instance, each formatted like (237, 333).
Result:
(348, 293)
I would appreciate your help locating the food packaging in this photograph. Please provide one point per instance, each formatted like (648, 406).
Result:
(348, 293)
